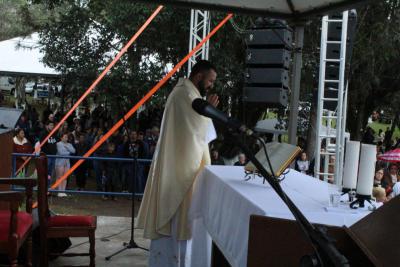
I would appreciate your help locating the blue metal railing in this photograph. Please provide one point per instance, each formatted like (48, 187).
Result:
(83, 192)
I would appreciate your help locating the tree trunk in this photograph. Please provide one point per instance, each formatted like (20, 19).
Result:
(312, 128)
(20, 98)
(394, 123)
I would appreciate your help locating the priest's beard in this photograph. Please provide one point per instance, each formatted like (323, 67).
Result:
(202, 88)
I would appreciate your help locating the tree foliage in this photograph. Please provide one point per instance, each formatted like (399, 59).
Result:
(374, 75)
(82, 40)
(21, 17)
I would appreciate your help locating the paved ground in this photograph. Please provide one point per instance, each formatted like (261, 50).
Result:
(110, 234)
(113, 229)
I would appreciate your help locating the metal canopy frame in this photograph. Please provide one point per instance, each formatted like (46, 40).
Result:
(265, 8)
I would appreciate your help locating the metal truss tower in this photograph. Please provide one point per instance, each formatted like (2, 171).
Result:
(199, 28)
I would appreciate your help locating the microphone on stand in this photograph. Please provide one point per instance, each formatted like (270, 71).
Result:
(204, 108)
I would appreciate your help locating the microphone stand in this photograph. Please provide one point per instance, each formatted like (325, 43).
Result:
(326, 254)
(131, 243)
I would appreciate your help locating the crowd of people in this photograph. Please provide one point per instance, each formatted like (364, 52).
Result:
(76, 136)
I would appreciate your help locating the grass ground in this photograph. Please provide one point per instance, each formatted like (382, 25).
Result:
(376, 126)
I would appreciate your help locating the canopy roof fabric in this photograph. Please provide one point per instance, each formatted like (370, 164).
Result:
(22, 56)
(286, 9)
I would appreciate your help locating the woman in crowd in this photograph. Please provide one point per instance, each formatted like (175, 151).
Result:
(379, 172)
(62, 164)
(21, 145)
(303, 164)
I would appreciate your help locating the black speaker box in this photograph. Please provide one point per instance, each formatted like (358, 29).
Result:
(275, 58)
(272, 96)
(269, 38)
(267, 77)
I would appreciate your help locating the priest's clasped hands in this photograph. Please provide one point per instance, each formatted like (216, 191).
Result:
(213, 99)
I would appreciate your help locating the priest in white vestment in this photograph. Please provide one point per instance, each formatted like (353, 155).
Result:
(181, 153)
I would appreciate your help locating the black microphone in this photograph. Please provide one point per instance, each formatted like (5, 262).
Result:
(204, 108)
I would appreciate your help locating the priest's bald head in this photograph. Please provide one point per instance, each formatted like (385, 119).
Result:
(203, 76)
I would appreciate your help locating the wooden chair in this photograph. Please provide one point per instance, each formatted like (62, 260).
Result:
(60, 226)
(16, 226)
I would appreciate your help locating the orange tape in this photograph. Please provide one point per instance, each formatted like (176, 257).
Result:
(94, 84)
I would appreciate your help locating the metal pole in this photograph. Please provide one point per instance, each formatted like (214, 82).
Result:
(295, 86)
(14, 166)
(320, 107)
(339, 145)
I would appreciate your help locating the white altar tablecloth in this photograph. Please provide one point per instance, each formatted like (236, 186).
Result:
(223, 202)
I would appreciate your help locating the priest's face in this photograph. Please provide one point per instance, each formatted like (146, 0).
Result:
(206, 82)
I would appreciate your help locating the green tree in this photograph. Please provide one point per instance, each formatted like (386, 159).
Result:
(21, 17)
(374, 73)
(80, 41)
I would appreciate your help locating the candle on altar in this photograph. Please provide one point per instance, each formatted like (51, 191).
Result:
(366, 170)
(351, 164)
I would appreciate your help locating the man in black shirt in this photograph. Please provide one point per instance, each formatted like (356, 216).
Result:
(50, 147)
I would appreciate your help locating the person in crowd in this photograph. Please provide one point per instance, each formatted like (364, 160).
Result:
(124, 166)
(215, 158)
(391, 177)
(368, 137)
(381, 136)
(303, 164)
(49, 147)
(23, 123)
(379, 172)
(135, 150)
(21, 145)
(62, 165)
(181, 152)
(76, 123)
(379, 194)
(379, 148)
(109, 170)
(64, 129)
(396, 190)
(146, 148)
(81, 172)
(76, 133)
(97, 164)
(388, 139)
(242, 161)
(51, 118)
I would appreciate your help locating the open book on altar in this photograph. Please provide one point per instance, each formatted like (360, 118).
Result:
(280, 155)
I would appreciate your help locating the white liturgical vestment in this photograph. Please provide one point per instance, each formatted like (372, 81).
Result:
(181, 152)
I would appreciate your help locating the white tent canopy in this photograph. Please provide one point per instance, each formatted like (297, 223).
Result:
(270, 126)
(22, 56)
(277, 8)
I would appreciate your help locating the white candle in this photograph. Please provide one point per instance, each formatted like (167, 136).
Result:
(366, 170)
(351, 164)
